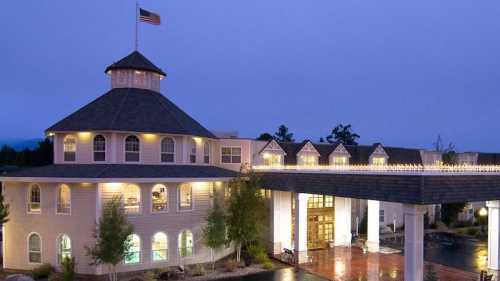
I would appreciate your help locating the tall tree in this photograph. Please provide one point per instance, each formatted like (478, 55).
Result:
(449, 153)
(283, 135)
(247, 214)
(343, 134)
(41, 155)
(214, 232)
(265, 137)
(111, 236)
(4, 210)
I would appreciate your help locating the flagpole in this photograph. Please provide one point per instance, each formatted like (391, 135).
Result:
(136, 25)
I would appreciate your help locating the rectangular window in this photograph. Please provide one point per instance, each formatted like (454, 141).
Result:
(308, 160)
(185, 197)
(339, 160)
(272, 159)
(206, 153)
(378, 161)
(231, 155)
(381, 216)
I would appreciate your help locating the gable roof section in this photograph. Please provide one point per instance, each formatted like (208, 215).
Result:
(135, 60)
(308, 147)
(272, 145)
(132, 110)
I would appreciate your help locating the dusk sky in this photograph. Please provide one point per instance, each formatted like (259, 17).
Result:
(401, 72)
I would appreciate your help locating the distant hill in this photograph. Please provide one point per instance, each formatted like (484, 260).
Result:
(20, 144)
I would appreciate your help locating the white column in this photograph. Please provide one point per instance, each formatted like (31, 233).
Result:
(373, 226)
(300, 239)
(414, 242)
(342, 216)
(493, 235)
(281, 221)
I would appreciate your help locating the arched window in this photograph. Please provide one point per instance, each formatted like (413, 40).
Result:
(185, 243)
(132, 149)
(134, 252)
(63, 199)
(99, 148)
(132, 199)
(69, 149)
(34, 248)
(159, 198)
(185, 198)
(167, 150)
(192, 152)
(159, 247)
(206, 153)
(34, 199)
(63, 247)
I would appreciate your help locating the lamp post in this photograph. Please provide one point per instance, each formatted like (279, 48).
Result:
(483, 213)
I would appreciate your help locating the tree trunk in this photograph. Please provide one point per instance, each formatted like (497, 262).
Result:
(238, 252)
(212, 258)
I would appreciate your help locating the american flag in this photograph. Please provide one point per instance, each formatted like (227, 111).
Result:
(149, 17)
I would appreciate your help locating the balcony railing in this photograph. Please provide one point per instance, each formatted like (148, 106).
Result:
(384, 169)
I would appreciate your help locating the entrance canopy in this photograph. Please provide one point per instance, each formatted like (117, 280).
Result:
(411, 186)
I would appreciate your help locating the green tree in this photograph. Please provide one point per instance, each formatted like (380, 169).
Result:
(343, 134)
(283, 135)
(111, 237)
(247, 214)
(265, 137)
(4, 210)
(214, 232)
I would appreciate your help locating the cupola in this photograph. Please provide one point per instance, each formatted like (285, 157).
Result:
(135, 71)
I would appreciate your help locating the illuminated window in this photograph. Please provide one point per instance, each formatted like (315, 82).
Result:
(185, 197)
(381, 215)
(206, 153)
(159, 198)
(34, 199)
(272, 159)
(99, 148)
(328, 201)
(69, 149)
(185, 243)
(308, 160)
(167, 150)
(134, 252)
(378, 161)
(339, 160)
(132, 199)
(231, 155)
(315, 201)
(63, 248)
(132, 149)
(34, 248)
(159, 247)
(63, 199)
(140, 78)
(192, 152)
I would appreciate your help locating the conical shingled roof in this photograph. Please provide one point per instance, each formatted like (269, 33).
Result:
(137, 61)
(132, 110)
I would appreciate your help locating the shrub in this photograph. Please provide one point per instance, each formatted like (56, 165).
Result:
(268, 265)
(258, 253)
(149, 276)
(54, 276)
(198, 270)
(42, 271)
(230, 265)
(261, 258)
(68, 269)
(163, 273)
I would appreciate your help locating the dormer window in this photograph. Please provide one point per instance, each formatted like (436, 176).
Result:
(167, 150)
(192, 152)
(272, 159)
(99, 148)
(308, 160)
(132, 149)
(378, 160)
(69, 149)
(340, 160)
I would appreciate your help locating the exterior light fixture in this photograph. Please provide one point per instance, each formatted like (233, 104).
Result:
(483, 212)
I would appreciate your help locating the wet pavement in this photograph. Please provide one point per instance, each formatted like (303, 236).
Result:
(287, 274)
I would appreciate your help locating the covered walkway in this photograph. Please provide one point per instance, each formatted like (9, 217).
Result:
(349, 263)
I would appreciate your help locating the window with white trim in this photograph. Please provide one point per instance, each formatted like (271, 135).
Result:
(185, 197)
(308, 160)
(381, 215)
(159, 247)
(69, 149)
(159, 198)
(206, 153)
(340, 160)
(132, 149)
(378, 160)
(192, 152)
(185, 243)
(231, 155)
(34, 199)
(132, 199)
(63, 199)
(63, 248)
(99, 148)
(272, 159)
(167, 150)
(134, 252)
(34, 248)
